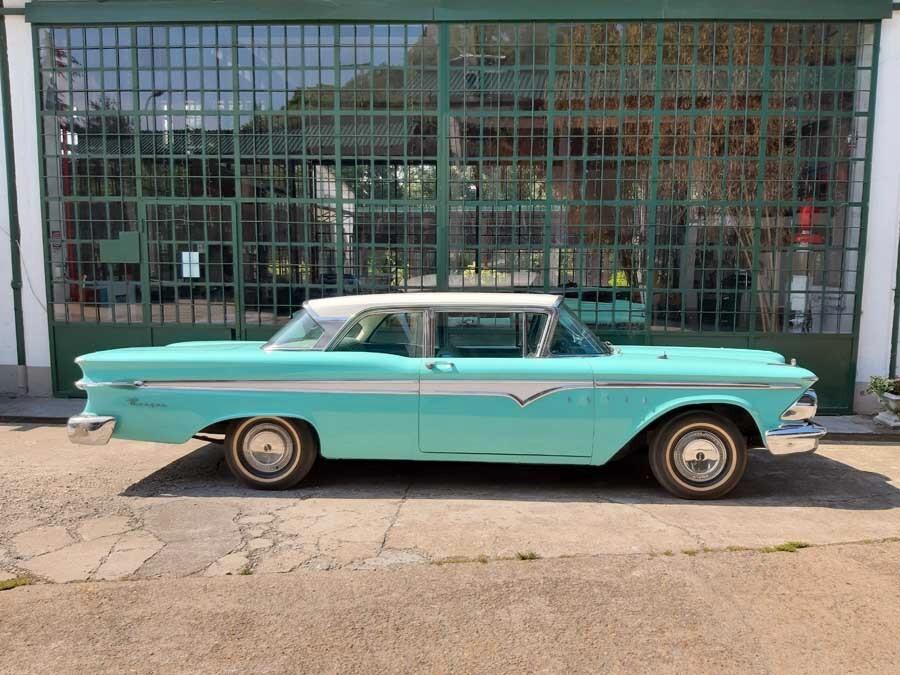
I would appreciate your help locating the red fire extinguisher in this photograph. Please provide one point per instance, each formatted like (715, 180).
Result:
(804, 233)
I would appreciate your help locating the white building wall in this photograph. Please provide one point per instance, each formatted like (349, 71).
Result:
(881, 261)
(24, 122)
(7, 325)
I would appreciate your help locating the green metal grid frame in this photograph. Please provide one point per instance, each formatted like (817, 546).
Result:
(276, 11)
(692, 182)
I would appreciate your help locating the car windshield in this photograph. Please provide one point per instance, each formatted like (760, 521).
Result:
(301, 332)
(573, 338)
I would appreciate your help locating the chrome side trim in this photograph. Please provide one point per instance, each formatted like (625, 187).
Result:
(794, 438)
(84, 385)
(87, 429)
(694, 385)
(523, 392)
(476, 387)
(300, 386)
(805, 408)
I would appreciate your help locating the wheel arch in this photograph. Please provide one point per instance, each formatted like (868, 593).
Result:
(732, 408)
(223, 425)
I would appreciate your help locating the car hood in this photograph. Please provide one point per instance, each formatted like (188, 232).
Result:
(703, 353)
(704, 364)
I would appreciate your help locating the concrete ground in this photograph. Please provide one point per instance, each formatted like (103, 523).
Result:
(139, 510)
(833, 609)
(405, 567)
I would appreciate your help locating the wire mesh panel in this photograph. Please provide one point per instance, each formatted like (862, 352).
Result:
(666, 177)
(337, 142)
(96, 267)
(499, 92)
(320, 139)
(670, 177)
(191, 270)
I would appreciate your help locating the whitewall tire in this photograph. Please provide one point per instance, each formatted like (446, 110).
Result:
(698, 456)
(270, 453)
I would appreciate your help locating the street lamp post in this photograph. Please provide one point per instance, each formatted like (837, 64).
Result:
(156, 93)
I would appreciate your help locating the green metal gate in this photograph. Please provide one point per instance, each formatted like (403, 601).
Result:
(190, 272)
(699, 183)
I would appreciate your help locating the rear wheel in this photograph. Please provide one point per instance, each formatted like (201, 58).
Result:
(270, 453)
(698, 456)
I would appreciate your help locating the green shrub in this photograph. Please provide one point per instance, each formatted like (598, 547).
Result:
(883, 385)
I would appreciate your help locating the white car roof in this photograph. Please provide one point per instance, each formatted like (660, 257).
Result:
(348, 305)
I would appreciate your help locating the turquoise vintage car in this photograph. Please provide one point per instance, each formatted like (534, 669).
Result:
(453, 377)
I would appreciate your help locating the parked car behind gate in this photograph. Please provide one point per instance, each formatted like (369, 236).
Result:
(453, 377)
(608, 307)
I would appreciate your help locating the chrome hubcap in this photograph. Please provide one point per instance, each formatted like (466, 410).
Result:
(700, 456)
(268, 448)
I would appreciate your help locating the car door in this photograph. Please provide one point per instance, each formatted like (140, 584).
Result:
(485, 391)
(375, 366)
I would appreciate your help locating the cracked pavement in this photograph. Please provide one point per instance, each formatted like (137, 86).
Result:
(135, 510)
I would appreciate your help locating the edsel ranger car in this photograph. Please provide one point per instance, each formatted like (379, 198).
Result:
(453, 377)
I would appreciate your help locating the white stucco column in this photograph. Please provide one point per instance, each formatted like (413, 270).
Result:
(884, 220)
(8, 361)
(24, 123)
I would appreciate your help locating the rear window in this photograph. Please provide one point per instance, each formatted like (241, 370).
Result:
(301, 332)
(398, 333)
(604, 295)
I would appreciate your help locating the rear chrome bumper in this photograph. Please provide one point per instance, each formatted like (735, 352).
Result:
(87, 429)
(794, 438)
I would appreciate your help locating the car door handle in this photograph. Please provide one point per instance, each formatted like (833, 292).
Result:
(444, 366)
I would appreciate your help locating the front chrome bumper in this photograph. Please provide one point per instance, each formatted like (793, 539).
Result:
(87, 429)
(793, 438)
(805, 408)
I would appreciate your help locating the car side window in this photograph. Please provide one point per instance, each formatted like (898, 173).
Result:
(487, 334)
(398, 333)
(477, 335)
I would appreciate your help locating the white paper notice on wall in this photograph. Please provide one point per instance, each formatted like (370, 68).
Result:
(190, 264)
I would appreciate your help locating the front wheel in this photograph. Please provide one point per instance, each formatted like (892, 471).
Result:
(270, 453)
(698, 456)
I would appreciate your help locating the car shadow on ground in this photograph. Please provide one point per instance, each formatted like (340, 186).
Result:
(803, 480)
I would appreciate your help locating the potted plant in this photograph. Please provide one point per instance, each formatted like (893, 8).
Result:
(887, 389)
